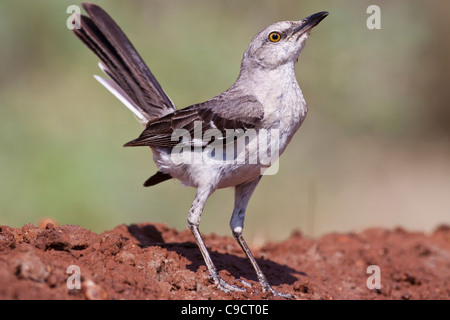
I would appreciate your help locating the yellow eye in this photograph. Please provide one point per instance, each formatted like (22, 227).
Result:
(275, 36)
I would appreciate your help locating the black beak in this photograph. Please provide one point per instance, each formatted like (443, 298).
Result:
(310, 22)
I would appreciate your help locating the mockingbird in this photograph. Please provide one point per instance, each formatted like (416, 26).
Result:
(265, 96)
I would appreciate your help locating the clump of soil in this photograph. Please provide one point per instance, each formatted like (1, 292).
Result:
(152, 261)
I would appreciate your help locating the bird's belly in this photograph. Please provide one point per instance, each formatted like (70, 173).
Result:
(192, 171)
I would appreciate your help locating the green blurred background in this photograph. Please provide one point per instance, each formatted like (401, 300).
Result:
(374, 150)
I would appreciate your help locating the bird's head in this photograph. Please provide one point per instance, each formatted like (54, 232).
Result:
(281, 42)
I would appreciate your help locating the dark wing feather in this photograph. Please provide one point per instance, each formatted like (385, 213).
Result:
(244, 112)
(123, 63)
(157, 178)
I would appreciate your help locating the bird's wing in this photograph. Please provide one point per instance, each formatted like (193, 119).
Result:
(122, 63)
(219, 116)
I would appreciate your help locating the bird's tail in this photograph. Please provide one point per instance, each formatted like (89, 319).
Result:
(130, 79)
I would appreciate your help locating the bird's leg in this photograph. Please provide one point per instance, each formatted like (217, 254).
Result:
(194, 217)
(243, 193)
(261, 277)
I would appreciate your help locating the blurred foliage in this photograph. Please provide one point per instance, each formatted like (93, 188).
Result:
(374, 150)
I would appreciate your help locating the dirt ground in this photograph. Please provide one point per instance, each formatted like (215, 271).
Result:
(152, 261)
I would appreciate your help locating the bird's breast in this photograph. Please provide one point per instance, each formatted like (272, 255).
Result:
(284, 112)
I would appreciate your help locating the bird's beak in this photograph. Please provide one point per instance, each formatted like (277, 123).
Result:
(310, 22)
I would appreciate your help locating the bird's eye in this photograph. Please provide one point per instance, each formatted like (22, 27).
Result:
(274, 36)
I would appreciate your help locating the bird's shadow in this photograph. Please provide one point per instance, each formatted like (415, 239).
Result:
(237, 266)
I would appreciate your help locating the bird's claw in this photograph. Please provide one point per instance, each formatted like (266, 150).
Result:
(225, 286)
(267, 288)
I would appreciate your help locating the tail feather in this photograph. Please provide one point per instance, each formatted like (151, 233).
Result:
(118, 92)
(131, 80)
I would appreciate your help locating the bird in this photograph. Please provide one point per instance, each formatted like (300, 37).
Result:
(265, 98)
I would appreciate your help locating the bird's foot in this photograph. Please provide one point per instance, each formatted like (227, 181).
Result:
(266, 287)
(225, 286)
